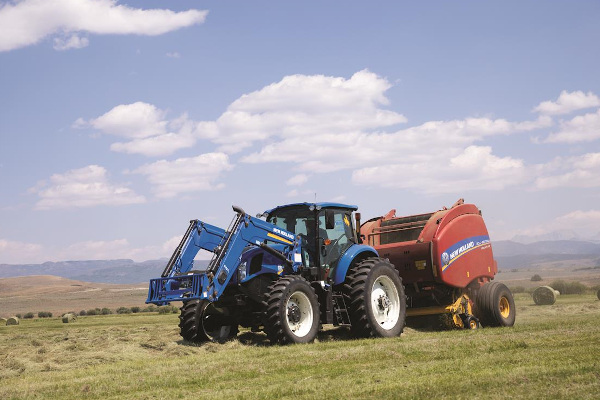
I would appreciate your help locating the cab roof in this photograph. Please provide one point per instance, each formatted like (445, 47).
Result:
(315, 205)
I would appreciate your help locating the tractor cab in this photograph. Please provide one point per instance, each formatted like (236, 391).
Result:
(326, 231)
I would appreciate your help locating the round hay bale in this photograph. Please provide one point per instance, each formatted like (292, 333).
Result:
(12, 321)
(598, 294)
(69, 318)
(544, 296)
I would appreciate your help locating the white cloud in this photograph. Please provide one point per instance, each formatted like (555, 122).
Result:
(579, 224)
(342, 129)
(83, 187)
(579, 217)
(71, 42)
(582, 128)
(423, 144)
(475, 168)
(579, 171)
(297, 180)
(13, 252)
(136, 120)
(568, 102)
(298, 106)
(325, 124)
(146, 127)
(173, 55)
(186, 175)
(157, 145)
(304, 106)
(26, 22)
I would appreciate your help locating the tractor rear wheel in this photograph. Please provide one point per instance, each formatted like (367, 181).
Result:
(495, 305)
(204, 321)
(375, 298)
(292, 311)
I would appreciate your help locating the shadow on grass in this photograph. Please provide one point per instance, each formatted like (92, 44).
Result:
(430, 323)
(248, 338)
(335, 333)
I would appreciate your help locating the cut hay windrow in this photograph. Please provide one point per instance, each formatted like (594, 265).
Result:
(545, 296)
(12, 321)
(69, 318)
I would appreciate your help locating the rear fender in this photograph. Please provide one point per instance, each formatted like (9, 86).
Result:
(356, 251)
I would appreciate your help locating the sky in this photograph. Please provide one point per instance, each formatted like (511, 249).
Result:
(121, 121)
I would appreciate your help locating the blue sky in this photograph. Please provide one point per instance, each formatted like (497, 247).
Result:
(120, 122)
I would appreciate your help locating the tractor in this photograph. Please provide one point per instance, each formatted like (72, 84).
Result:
(299, 267)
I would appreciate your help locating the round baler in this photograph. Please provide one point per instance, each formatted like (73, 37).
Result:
(446, 263)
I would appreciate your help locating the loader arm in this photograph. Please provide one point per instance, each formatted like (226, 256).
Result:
(179, 281)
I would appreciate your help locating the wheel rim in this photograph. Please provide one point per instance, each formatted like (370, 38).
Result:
(299, 314)
(385, 302)
(212, 325)
(504, 307)
(472, 324)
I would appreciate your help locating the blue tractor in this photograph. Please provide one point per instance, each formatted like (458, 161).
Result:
(300, 266)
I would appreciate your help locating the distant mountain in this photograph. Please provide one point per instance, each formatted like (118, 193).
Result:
(510, 254)
(103, 271)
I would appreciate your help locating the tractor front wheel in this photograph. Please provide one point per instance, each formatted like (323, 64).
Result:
(376, 300)
(495, 305)
(204, 321)
(292, 311)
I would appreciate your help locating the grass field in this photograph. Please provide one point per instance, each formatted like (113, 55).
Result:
(552, 352)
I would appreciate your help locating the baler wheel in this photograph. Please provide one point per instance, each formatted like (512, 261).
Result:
(292, 311)
(471, 323)
(375, 298)
(201, 321)
(495, 305)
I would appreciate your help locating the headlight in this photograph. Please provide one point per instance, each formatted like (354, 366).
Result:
(242, 272)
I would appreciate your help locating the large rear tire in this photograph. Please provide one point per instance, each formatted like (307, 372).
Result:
(203, 321)
(495, 305)
(292, 311)
(375, 298)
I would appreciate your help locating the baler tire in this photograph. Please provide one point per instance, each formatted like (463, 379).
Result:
(471, 323)
(369, 277)
(192, 328)
(291, 294)
(495, 305)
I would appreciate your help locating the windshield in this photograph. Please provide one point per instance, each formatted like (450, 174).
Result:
(293, 219)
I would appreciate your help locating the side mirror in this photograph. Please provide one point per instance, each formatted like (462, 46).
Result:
(329, 219)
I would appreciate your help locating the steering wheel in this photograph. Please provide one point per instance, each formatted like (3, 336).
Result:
(335, 241)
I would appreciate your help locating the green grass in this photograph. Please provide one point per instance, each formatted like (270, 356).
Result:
(552, 352)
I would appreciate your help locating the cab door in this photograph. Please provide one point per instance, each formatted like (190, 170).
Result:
(335, 236)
